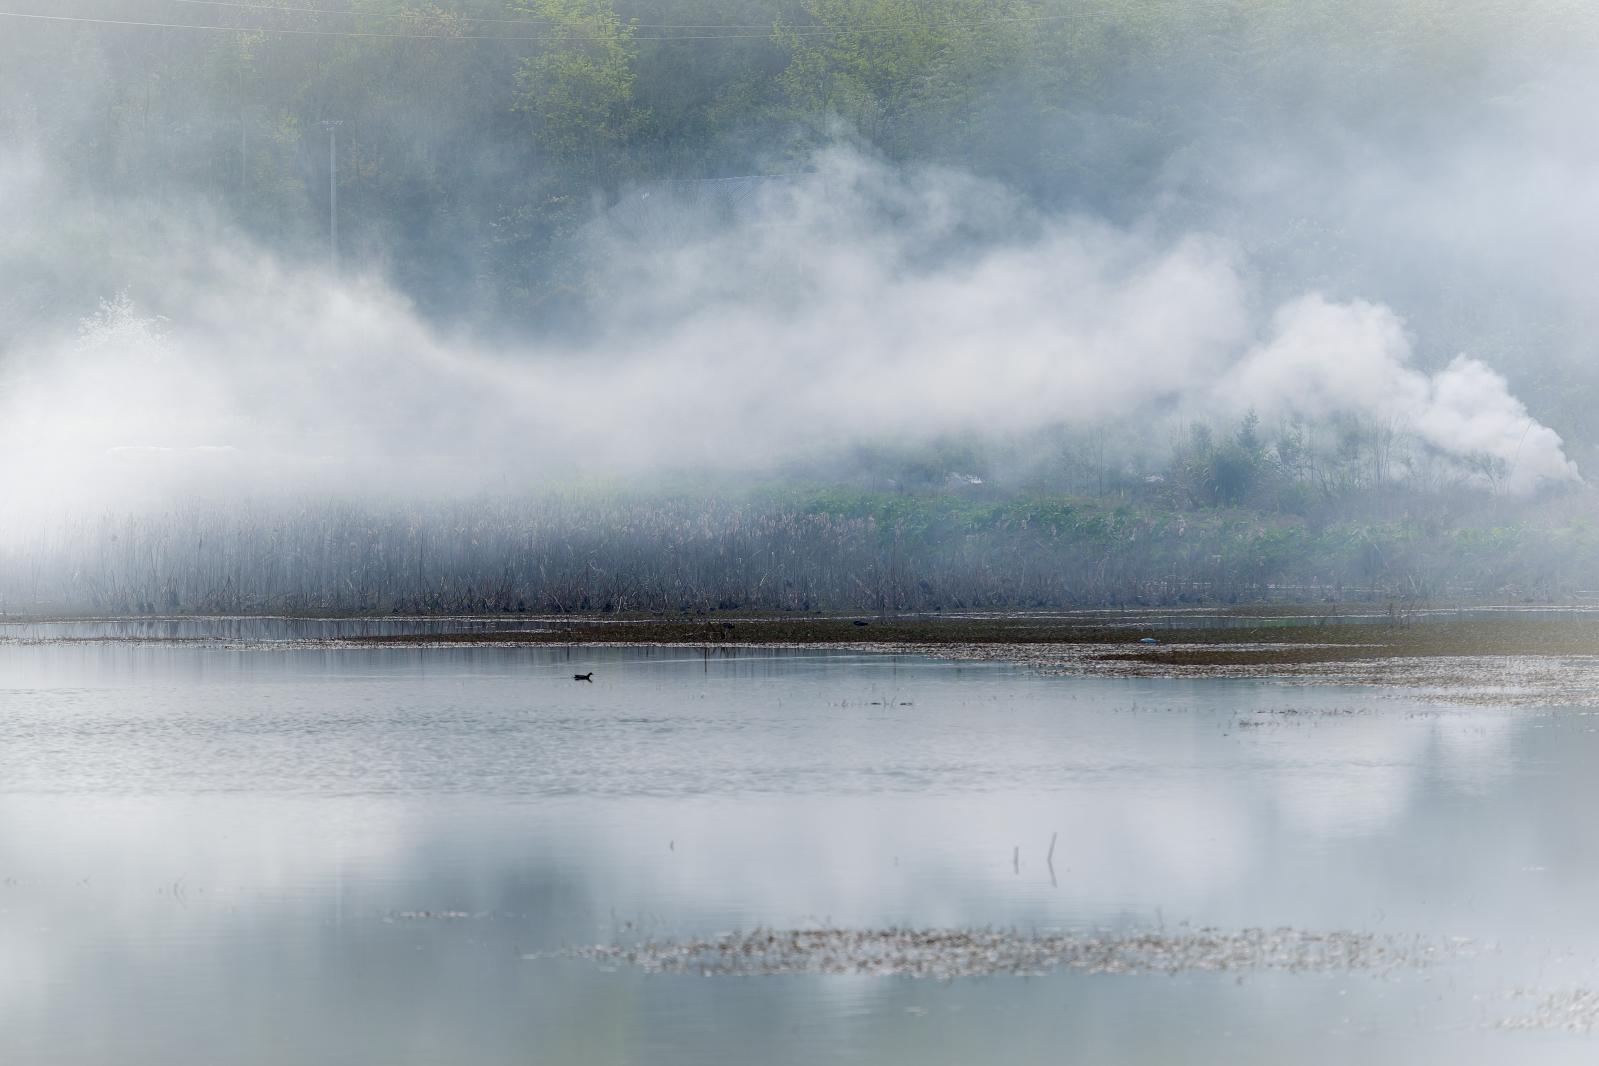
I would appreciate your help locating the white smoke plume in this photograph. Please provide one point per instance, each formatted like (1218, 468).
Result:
(1324, 359)
(860, 303)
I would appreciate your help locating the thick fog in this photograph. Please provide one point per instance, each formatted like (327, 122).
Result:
(859, 302)
(1392, 224)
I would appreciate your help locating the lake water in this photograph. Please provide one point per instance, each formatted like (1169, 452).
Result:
(214, 854)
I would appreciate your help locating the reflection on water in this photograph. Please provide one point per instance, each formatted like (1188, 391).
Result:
(212, 855)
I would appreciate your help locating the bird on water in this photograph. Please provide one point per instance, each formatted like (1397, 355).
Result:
(589, 677)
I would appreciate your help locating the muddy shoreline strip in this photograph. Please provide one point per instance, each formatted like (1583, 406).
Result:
(1294, 643)
(1511, 660)
(1520, 659)
(1234, 637)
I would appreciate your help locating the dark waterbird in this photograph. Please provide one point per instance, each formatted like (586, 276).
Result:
(589, 677)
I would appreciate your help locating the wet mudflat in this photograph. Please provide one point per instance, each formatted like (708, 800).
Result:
(1283, 636)
(239, 851)
(1496, 655)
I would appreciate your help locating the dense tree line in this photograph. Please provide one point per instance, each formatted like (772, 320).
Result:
(790, 551)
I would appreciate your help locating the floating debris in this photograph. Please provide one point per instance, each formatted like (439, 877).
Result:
(1574, 1010)
(942, 954)
(1273, 716)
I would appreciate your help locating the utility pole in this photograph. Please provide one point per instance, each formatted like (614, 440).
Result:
(332, 126)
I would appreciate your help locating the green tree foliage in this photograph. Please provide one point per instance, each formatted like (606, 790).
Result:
(579, 89)
(906, 74)
(478, 134)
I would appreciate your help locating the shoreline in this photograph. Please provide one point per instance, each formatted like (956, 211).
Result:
(1546, 656)
(1249, 636)
(1511, 661)
(1232, 640)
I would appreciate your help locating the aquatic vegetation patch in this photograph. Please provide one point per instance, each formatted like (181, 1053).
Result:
(944, 954)
(1574, 1010)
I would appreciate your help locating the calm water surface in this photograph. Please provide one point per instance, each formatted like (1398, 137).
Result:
(292, 855)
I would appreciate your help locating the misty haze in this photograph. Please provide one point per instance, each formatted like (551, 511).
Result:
(702, 531)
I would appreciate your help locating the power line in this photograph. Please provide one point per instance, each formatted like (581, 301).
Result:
(288, 31)
(545, 38)
(428, 16)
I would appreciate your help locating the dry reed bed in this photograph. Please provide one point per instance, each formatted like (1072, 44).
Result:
(774, 551)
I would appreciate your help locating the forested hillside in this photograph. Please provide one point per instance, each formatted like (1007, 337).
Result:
(478, 136)
(1288, 293)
